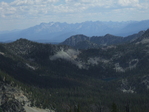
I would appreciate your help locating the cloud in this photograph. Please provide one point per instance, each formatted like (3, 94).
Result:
(20, 2)
(6, 9)
(32, 2)
(70, 1)
(36, 11)
(128, 2)
(42, 7)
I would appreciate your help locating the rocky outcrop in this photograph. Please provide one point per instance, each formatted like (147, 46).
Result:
(12, 106)
(12, 99)
(9, 98)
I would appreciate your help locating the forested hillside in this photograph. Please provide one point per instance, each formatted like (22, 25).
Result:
(113, 78)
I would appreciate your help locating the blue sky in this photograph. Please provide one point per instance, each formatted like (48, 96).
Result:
(20, 14)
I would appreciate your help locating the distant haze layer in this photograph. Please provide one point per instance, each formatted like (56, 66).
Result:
(58, 32)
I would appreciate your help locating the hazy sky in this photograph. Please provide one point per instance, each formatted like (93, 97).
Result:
(20, 14)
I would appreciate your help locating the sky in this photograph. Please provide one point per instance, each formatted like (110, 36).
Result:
(21, 14)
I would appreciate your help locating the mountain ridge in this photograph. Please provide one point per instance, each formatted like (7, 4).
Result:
(98, 41)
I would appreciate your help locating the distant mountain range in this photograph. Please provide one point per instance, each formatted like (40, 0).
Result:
(58, 32)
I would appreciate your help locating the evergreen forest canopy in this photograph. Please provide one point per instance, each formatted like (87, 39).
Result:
(112, 78)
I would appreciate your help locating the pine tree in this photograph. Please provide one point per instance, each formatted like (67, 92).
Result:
(114, 108)
(1, 110)
(127, 108)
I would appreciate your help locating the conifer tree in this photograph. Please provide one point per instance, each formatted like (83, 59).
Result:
(127, 108)
(114, 108)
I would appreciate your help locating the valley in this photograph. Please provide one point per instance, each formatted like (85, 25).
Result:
(72, 78)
